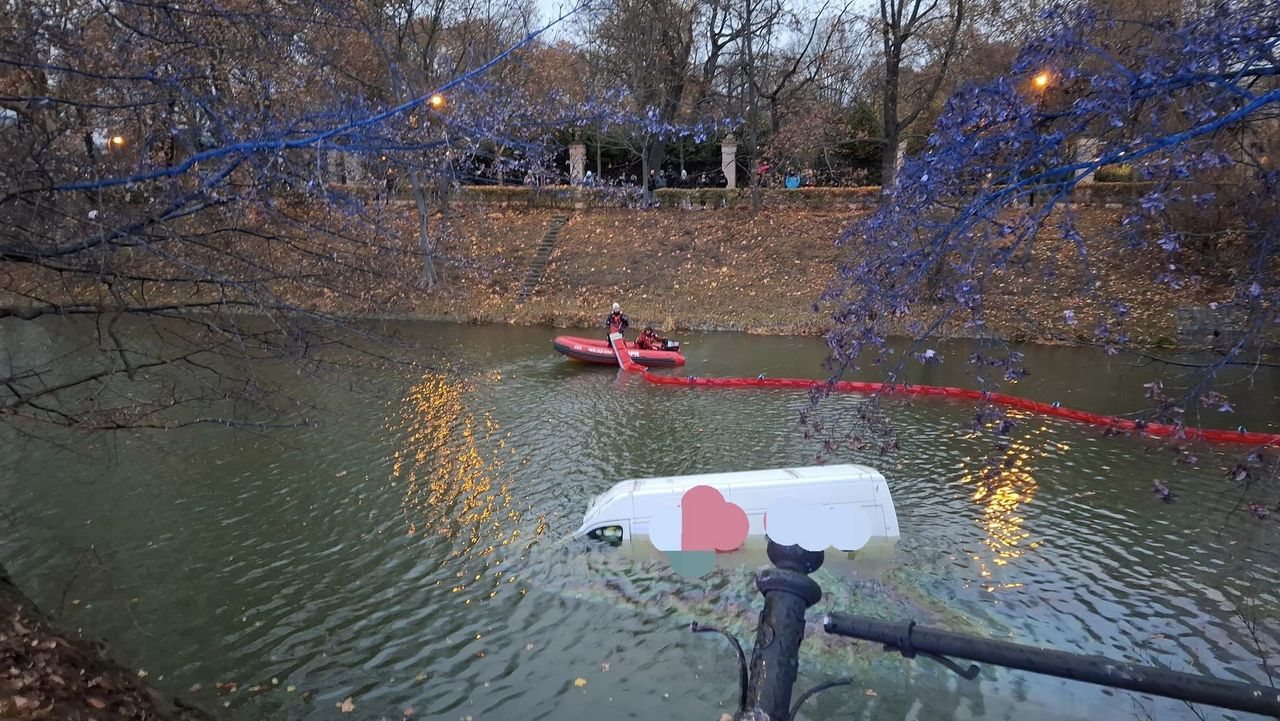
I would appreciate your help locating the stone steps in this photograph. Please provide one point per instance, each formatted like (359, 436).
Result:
(538, 265)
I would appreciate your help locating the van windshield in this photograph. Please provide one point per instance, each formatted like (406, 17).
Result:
(609, 496)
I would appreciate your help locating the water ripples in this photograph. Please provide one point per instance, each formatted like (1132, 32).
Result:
(413, 553)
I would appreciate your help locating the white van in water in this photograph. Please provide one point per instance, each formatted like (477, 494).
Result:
(625, 511)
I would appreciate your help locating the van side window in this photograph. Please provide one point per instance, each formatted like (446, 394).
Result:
(609, 534)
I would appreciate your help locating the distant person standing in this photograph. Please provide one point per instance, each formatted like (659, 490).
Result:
(390, 184)
(762, 173)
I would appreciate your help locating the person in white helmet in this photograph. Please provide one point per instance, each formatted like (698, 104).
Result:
(616, 321)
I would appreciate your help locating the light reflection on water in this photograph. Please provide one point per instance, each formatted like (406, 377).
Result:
(1003, 485)
(411, 552)
(452, 468)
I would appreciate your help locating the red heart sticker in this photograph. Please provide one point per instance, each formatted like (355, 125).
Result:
(709, 522)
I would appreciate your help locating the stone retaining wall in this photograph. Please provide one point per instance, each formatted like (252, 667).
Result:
(817, 198)
(1211, 327)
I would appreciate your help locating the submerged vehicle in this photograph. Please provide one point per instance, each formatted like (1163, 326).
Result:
(854, 493)
(599, 351)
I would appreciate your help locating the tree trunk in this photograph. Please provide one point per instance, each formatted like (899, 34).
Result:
(889, 155)
(428, 279)
(644, 175)
(752, 152)
(657, 154)
(753, 135)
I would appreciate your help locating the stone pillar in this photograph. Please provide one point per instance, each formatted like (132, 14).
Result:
(354, 168)
(577, 162)
(729, 161)
(1086, 151)
(332, 166)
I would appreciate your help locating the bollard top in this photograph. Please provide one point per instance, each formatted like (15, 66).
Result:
(795, 558)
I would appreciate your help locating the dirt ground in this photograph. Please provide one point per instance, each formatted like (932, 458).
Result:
(724, 269)
(716, 269)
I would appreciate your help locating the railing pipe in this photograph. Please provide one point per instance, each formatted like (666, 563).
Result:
(910, 639)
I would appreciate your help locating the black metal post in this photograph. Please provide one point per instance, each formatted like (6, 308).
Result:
(788, 592)
(909, 639)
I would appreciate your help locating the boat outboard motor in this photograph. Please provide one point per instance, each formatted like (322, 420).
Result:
(671, 345)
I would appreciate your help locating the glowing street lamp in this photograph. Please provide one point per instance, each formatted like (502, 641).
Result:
(437, 102)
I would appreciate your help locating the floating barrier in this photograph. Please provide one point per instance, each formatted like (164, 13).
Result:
(1055, 410)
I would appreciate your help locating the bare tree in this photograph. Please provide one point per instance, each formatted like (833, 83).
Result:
(758, 21)
(415, 47)
(916, 36)
(787, 53)
(166, 176)
(646, 46)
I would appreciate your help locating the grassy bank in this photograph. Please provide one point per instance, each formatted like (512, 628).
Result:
(725, 269)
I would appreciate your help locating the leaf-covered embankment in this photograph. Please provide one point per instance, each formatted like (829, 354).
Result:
(49, 673)
(725, 269)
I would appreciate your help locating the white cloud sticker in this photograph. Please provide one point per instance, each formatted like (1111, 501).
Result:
(664, 529)
(792, 522)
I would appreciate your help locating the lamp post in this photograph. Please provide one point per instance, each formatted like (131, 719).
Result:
(775, 661)
(420, 195)
(1040, 84)
(438, 102)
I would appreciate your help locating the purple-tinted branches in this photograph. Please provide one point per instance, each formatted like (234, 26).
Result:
(1189, 104)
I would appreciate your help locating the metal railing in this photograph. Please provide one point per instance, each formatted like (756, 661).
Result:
(766, 683)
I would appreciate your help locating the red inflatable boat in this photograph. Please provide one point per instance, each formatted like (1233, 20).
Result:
(598, 351)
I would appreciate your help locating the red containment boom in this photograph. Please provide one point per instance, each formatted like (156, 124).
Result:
(1159, 430)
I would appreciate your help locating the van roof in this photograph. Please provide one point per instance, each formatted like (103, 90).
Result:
(747, 479)
(843, 483)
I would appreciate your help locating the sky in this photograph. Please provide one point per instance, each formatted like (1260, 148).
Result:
(548, 10)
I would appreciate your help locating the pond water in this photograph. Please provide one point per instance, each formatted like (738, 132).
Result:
(409, 552)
